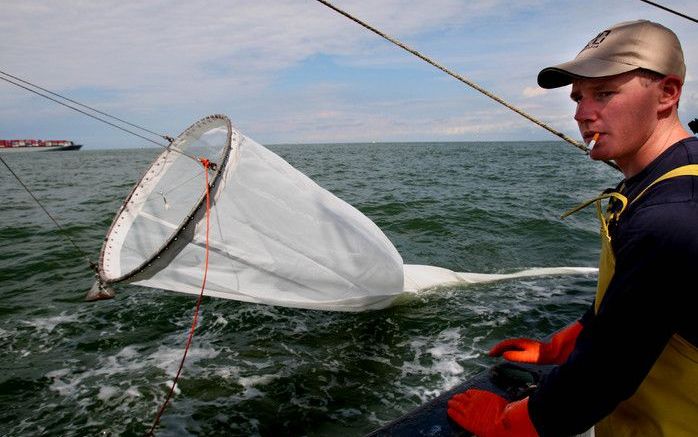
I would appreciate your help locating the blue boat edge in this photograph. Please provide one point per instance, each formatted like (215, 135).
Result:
(509, 380)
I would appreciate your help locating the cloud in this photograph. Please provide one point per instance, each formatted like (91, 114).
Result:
(134, 45)
(164, 63)
(531, 91)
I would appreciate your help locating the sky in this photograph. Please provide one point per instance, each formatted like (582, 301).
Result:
(294, 71)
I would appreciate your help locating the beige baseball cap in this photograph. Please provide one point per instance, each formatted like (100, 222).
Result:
(624, 47)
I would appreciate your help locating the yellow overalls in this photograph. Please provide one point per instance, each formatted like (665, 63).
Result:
(666, 402)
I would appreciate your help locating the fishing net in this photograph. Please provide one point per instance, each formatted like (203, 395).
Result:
(276, 237)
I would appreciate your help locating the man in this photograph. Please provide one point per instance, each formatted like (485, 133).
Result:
(629, 366)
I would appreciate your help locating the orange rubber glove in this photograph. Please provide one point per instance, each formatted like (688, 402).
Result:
(524, 350)
(487, 415)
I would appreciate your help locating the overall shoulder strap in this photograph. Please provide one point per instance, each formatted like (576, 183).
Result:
(613, 194)
(686, 170)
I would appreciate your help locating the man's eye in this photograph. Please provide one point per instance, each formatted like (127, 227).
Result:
(605, 94)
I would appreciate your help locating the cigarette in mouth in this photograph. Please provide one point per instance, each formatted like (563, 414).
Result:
(592, 143)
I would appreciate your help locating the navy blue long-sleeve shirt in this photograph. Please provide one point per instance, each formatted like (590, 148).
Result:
(651, 297)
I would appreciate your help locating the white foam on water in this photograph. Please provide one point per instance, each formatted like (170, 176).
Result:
(60, 385)
(226, 372)
(48, 324)
(255, 380)
(447, 337)
(447, 353)
(300, 327)
(39, 335)
(436, 361)
(118, 376)
(251, 393)
(421, 364)
(125, 380)
(219, 320)
(168, 358)
(260, 364)
(306, 403)
(133, 392)
(107, 392)
(250, 384)
(450, 367)
(176, 390)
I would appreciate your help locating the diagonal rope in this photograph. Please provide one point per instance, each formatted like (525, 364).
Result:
(466, 81)
(81, 111)
(670, 10)
(55, 222)
(83, 105)
(14, 80)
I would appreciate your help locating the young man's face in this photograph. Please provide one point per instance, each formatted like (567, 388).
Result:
(623, 109)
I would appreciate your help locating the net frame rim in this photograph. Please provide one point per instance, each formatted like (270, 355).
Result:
(214, 180)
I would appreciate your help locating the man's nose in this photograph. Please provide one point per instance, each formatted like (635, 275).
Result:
(585, 111)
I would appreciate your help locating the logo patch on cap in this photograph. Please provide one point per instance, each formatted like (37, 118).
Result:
(594, 43)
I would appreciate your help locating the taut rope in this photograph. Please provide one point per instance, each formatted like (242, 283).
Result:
(670, 10)
(466, 81)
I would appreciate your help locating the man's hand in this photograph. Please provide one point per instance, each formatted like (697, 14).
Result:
(524, 350)
(487, 415)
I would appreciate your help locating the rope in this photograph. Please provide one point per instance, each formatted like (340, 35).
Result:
(81, 111)
(466, 81)
(93, 266)
(165, 137)
(166, 146)
(206, 165)
(13, 80)
(670, 10)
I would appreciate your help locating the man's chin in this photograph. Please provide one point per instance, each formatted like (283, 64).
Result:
(598, 155)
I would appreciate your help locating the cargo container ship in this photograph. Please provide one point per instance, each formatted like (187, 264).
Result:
(37, 145)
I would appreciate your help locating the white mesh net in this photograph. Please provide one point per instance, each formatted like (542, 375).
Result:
(276, 237)
(164, 199)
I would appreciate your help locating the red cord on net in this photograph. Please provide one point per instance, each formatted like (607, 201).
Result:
(206, 164)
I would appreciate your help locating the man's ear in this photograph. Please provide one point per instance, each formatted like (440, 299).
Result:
(669, 92)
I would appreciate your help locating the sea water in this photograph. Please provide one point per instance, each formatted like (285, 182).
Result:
(70, 368)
